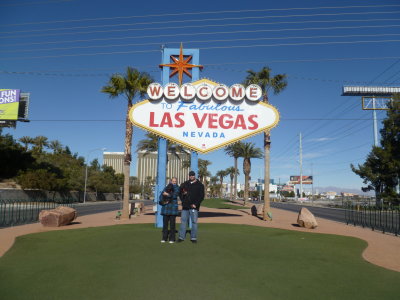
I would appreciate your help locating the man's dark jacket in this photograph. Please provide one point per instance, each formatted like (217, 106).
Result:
(194, 195)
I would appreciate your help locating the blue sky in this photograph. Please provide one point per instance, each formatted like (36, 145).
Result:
(63, 52)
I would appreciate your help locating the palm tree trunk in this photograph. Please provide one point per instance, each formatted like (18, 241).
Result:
(246, 190)
(236, 167)
(267, 149)
(127, 163)
(267, 153)
(231, 194)
(222, 186)
(246, 171)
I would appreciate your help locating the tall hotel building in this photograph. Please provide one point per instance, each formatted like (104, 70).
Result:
(146, 166)
(114, 160)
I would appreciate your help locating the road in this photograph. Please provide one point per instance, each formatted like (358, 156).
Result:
(334, 214)
(320, 212)
(99, 207)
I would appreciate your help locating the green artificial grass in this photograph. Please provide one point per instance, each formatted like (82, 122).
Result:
(229, 262)
(220, 203)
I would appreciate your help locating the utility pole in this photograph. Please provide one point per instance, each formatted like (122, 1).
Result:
(375, 123)
(301, 169)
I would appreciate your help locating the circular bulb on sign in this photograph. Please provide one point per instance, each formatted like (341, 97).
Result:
(155, 91)
(188, 91)
(253, 92)
(221, 92)
(171, 91)
(204, 92)
(237, 92)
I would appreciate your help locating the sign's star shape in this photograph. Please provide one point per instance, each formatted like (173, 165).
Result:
(181, 65)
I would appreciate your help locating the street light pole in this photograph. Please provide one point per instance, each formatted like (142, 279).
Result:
(86, 171)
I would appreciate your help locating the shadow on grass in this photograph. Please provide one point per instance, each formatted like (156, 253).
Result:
(206, 214)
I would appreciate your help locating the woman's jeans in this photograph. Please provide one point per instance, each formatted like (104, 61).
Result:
(171, 232)
(185, 215)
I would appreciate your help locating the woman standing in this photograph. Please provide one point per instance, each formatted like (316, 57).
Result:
(169, 210)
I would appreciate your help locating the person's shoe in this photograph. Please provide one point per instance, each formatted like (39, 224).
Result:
(194, 241)
(180, 240)
(171, 242)
(162, 241)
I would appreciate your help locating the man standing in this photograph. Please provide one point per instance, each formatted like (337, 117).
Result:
(191, 194)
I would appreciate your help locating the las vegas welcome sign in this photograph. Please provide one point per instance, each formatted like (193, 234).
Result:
(204, 115)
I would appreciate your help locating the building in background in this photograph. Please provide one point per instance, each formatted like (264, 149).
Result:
(146, 166)
(114, 160)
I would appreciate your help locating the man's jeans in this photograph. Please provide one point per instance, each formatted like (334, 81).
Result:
(185, 214)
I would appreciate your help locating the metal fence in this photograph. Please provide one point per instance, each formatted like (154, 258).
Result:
(383, 218)
(17, 212)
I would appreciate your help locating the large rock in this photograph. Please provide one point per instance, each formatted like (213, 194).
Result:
(306, 219)
(59, 216)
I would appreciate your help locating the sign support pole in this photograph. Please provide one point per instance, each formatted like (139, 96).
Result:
(375, 123)
(162, 143)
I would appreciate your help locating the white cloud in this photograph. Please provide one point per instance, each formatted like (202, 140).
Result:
(322, 139)
(312, 155)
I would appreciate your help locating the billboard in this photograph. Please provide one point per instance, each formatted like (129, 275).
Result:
(305, 180)
(9, 104)
(286, 188)
(204, 115)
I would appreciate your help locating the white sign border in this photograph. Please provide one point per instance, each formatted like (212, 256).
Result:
(191, 147)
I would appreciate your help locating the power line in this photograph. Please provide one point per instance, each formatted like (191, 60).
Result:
(134, 29)
(394, 75)
(291, 76)
(207, 33)
(328, 136)
(212, 25)
(336, 138)
(202, 25)
(294, 141)
(336, 163)
(305, 60)
(214, 66)
(203, 13)
(343, 150)
(203, 41)
(300, 44)
(208, 48)
(34, 3)
(354, 105)
(351, 106)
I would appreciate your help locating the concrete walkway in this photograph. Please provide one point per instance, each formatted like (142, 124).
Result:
(383, 249)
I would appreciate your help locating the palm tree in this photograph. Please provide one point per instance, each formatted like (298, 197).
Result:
(186, 164)
(130, 85)
(26, 140)
(203, 172)
(56, 146)
(40, 142)
(214, 179)
(150, 144)
(232, 172)
(248, 151)
(233, 150)
(277, 83)
(221, 174)
(214, 187)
